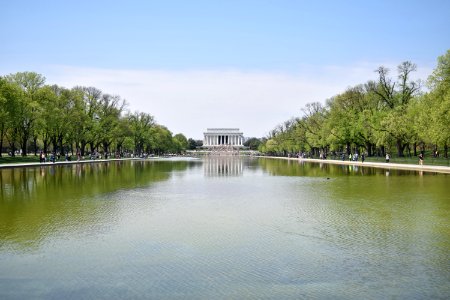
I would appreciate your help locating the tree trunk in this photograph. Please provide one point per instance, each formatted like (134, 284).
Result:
(2, 134)
(24, 145)
(35, 145)
(45, 146)
(369, 149)
(446, 150)
(82, 147)
(400, 148)
(105, 148)
(1, 143)
(60, 142)
(12, 145)
(55, 144)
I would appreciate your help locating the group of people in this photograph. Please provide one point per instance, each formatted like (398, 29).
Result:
(52, 158)
(421, 157)
(354, 157)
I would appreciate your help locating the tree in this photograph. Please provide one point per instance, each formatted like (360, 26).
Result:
(141, 125)
(160, 140)
(87, 115)
(109, 111)
(344, 123)
(192, 144)
(436, 104)
(123, 133)
(50, 117)
(396, 101)
(313, 123)
(253, 143)
(180, 143)
(10, 95)
(29, 107)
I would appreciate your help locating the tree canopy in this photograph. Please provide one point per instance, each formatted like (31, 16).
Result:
(389, 115)
(40, 117)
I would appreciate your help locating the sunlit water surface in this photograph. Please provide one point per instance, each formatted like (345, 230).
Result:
(223, 228)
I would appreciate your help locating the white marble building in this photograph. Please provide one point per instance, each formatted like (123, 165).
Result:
(219, 137)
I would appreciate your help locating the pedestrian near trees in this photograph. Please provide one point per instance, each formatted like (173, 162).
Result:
(421, 159)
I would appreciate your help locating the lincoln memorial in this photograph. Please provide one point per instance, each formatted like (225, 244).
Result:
(216, 137)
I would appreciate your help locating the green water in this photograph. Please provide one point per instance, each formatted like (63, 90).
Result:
(223, 228)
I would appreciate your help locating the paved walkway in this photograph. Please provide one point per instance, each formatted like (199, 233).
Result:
(87, 161)
(424, 168)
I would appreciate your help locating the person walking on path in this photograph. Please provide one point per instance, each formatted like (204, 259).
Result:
(362, 157)
(387, 157)
(421, 159)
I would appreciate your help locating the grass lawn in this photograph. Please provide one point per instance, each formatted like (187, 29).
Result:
(6, 159)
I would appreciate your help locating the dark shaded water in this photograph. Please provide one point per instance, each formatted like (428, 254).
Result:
(223, 227)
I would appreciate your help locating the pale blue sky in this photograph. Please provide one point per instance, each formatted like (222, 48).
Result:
(296, 44)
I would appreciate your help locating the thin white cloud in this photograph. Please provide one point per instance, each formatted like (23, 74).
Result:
(191, 101)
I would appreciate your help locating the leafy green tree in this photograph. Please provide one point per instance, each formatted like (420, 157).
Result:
(58, 116)
(253, 143)
(87, 118)
(396, 101)
(10, 97)
(192, 144)
(343, 121)
(180, 143)
(436, 104)
(123, 132)
(141, 125)
(50, 119)
(109, 113)
(160, 141)
(29, 107)
(313, 124)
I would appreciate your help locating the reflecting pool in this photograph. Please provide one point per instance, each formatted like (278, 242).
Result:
(223, 227)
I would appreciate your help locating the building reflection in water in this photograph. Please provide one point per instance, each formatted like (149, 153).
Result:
(217, 166)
